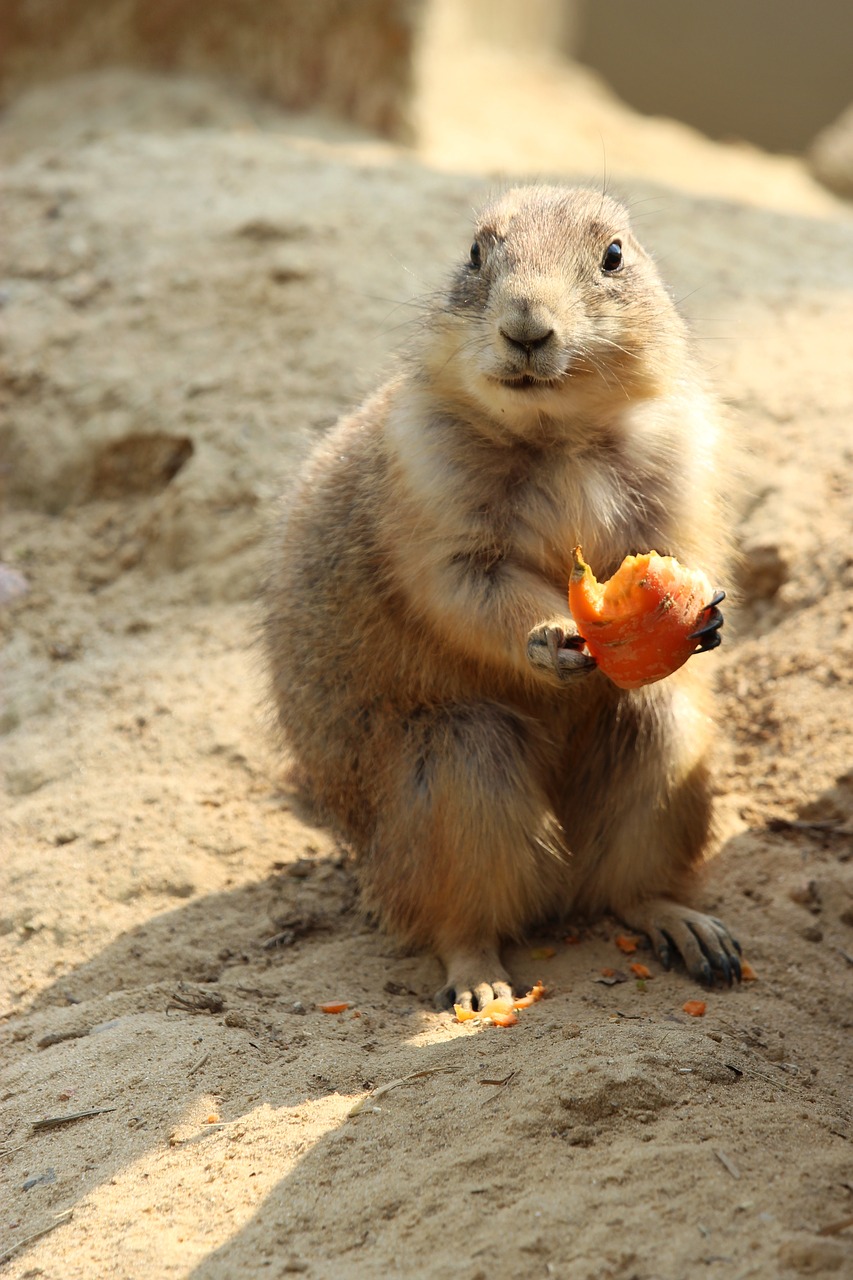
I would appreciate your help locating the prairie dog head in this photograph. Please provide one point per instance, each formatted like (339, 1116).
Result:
(556, 310)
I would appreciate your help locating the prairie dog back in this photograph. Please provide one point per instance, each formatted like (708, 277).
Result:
(428, 676)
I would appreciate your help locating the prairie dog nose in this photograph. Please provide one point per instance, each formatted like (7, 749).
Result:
(525, 329)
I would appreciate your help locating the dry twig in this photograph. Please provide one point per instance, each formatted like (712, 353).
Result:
(53, 1122)
(9, 1253)
(393, 1084)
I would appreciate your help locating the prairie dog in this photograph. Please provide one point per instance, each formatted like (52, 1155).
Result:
(427, 674)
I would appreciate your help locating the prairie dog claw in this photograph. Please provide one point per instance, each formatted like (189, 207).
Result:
(708, 634)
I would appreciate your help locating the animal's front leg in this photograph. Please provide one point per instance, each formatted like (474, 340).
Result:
(474, 977)
(555, 650)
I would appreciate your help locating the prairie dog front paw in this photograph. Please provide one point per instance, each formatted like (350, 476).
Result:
(553, 649)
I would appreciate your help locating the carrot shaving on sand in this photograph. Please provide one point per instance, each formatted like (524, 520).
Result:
(504, 1019)
(608, 972)
(696, 1008)
(334, 1006)
(543, 953)
(502, 1010)
(628, 945)
(747, 972)
(641, 970)
(535, 993)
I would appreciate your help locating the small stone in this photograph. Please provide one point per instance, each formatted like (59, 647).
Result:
(805, 894)
(766, 567)
(812, 1257)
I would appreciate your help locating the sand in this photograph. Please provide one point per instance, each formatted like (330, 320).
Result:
(192, 287)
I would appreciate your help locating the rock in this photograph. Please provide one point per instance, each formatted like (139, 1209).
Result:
(143, 463)
(830, 157)
(765, 567)
(812, 1257)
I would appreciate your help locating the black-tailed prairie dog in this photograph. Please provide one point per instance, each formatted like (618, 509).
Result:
(427, 673)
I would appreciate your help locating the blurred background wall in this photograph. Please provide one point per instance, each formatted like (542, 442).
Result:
(350, 57)
(772, 72)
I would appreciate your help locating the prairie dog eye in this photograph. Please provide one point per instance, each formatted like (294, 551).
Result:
(475, 261)
(612, 260)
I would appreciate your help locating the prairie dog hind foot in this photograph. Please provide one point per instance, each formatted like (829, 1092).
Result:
(703, 942)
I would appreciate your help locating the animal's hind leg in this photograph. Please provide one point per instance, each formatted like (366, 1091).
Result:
(654, 824)
(466, 850)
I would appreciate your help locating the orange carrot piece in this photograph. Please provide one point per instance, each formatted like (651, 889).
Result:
(696, 1008)
(535, 993)
(628, 945)
(747, 972)
(464, 1015)
(504, 1019)
(500, 1011)
(641, 970)
(334, 1006)
(543, 953)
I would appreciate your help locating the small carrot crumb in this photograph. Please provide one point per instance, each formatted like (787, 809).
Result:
(499, 1011)
(464, 1015)
(535, 993)
(628, 945)
(212, 1119)
(641, 970)
(334, 1006)
(504, 1019)
(543, 953)
(696, 1008)
(608, 973)
(747, 972)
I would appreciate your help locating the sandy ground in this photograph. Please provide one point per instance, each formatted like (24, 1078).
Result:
(192, 287)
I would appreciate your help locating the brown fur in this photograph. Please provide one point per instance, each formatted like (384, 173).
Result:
(426, 548)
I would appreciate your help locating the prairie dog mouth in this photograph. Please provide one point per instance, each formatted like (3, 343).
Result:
(528, 382)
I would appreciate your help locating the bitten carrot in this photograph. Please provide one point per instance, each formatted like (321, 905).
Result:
(639, 624)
